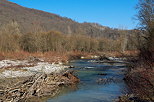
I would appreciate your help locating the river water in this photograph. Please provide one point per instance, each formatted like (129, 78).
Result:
(99, 82)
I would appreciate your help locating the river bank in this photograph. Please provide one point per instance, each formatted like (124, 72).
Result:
(140, 80)
(23, 79)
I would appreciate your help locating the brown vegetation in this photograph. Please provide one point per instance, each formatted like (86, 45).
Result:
(140, 77)
(11, 40)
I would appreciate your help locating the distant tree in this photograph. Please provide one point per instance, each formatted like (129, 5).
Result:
(123, 39)
(9, 37)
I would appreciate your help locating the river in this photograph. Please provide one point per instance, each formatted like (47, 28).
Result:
(99, 82)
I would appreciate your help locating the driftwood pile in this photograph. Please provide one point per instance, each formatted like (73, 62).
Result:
(37, 85)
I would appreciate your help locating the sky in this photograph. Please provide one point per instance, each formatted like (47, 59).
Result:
(112, 13)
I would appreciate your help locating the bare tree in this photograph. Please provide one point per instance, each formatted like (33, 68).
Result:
(146, 18)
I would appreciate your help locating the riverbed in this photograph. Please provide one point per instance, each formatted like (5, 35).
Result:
(99, 82)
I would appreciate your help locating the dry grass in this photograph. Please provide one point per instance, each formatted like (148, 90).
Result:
(47, 56)
(2, 56)
(52, 56)
(21, 55)
(16, 55)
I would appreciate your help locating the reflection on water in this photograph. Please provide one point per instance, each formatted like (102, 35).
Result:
(89, 89)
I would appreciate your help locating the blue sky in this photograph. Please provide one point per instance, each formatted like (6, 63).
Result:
(112, 13)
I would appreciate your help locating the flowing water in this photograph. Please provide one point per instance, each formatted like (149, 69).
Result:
(99, 82)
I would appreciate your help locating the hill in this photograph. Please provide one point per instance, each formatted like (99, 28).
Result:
(28, 19)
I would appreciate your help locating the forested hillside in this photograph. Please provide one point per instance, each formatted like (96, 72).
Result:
(30, 19)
